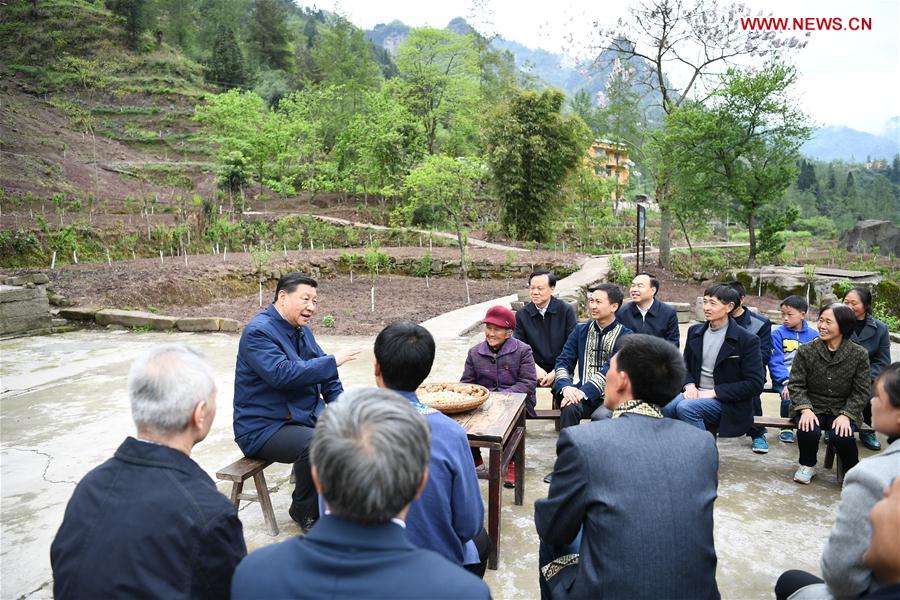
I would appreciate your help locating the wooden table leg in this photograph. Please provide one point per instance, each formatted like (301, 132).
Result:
(520, 467)
(494, 490)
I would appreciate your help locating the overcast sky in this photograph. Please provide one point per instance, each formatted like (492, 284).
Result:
(847, 78)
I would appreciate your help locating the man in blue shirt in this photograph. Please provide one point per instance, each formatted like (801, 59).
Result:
(646, 314)
(282, 381)
(448, 517)
(370, 461)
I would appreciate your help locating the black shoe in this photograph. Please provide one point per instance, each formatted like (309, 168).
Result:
(304, 521)
(548, 477)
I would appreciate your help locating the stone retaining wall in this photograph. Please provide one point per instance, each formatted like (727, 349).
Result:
(24, 306)
(109, 317)
(412, 267)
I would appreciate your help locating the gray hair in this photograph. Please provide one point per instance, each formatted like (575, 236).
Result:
(370, 450)
(165, 384)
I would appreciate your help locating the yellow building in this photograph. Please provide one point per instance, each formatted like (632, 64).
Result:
(612, 160)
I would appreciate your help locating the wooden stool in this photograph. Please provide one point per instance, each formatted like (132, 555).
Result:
(241, 470)
(832, 459)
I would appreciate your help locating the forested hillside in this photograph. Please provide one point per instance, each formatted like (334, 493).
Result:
(211, 107)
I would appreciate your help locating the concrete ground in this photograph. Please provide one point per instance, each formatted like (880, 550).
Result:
(65, 410)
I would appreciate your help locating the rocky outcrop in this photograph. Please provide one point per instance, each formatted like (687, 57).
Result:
(872, 235)
(24, 309)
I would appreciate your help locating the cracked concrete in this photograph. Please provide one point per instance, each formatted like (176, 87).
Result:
(65, 410)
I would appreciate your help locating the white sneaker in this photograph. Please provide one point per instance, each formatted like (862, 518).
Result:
(804, 474)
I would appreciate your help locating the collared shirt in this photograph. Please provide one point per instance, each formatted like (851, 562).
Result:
(644, 311)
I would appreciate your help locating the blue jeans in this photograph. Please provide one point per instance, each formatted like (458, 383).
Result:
(697, 412)
(785, 404)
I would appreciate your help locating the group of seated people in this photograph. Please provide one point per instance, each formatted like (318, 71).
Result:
(386, 488)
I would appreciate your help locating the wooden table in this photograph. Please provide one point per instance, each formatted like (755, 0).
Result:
(499, 425)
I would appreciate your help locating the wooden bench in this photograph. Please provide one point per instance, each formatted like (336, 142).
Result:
(831, 457)
(242, 470)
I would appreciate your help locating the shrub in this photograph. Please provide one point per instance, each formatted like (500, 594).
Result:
(618, 271)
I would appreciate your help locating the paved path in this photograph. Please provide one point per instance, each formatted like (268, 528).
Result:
(449, 236)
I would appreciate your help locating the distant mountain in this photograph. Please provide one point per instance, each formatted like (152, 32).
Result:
(843, 143)
(389, 36)
(549, 69)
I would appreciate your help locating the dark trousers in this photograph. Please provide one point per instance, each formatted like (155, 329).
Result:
(791, 581)
(573, 413)
(755, 432)
(484, 545)
(845, 446)
(290, 444)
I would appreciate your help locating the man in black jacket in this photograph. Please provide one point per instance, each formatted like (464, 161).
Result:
(149, 522)
(544, 324)
(761, 327)
(646, 314)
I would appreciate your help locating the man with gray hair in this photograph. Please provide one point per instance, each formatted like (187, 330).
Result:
(369, 456)
(150, 522)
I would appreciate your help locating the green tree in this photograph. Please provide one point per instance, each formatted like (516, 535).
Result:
(226, 64)
(267, 34)
(583, 106)
(449, 185)
(531, 148)
(241, 121)
(831, 182)
(380, 145)
(620, 116)
(850, 186)
(586, 196)
(743, 147)
(807, 178)
(438, 80)
(135, 14)
(695, 39)
(343, 57)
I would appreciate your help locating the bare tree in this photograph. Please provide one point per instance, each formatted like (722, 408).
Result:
(692, 42)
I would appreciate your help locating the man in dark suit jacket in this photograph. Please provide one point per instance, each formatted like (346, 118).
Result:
(369, 462)
(544, 324)
(724, 369)
(642, 527)
(646, 314)
(149, 522)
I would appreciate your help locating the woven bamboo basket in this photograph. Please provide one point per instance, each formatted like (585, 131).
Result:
(452, 398)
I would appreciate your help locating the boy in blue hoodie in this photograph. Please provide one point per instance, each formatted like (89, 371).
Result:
(794, 332)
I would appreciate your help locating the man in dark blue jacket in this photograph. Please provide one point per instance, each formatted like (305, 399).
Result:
(591, 345)
(646, 314)
(282, 381)
(370, 461)
(761, 327)
(449, 515)
(724, 369)
(149, 522)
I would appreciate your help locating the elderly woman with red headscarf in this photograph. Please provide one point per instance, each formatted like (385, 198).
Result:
(501, 363)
